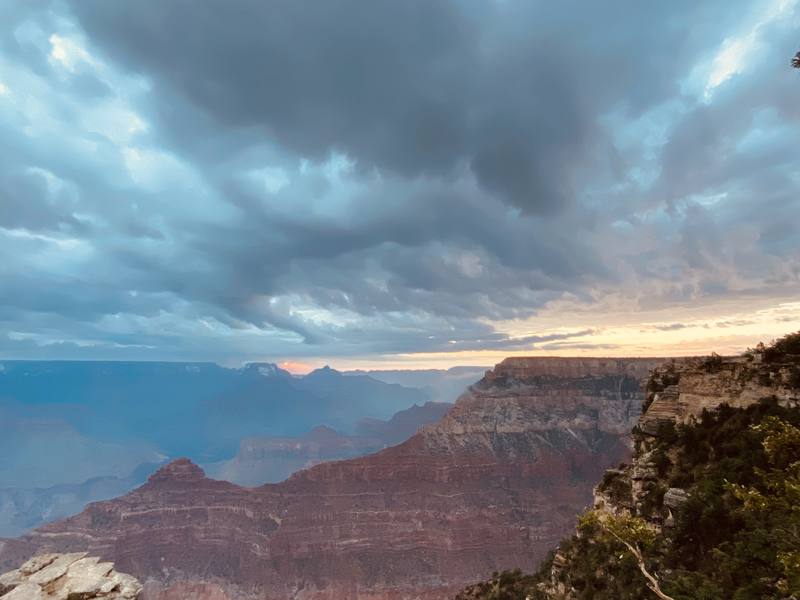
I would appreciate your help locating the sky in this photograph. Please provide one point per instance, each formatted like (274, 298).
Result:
(396, 184)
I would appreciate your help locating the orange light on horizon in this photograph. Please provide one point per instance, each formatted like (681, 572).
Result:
(296, 367)
(724, 330)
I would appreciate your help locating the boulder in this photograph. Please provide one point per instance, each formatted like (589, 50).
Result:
(67, 577)
(674, 498)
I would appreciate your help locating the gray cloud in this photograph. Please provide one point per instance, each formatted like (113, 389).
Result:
(351, 178)
(510, 89)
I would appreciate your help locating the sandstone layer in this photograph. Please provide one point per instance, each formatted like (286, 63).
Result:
(679, 390)
(494, 485)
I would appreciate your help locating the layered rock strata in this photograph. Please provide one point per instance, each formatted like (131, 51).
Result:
(680, 390)
(495, 484)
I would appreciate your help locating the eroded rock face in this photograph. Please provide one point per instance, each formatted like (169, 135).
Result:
(680, 390)
(73, 576)
(494, 485)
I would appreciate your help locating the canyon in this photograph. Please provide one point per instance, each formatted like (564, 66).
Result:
(269, 459)
(74, 432)
(261, 459)
(495, 484)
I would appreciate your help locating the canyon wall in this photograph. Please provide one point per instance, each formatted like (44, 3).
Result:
(495, 484)
(679, 390)
(694, 444)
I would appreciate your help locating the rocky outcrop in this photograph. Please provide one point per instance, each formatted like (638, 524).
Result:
(677, 394)
(74, 576)
(495, 484)
(680, 390)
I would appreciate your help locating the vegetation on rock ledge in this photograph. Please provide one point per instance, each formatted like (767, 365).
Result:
(730, 529)
(737, 536)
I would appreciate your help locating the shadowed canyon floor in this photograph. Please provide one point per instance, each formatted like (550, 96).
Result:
(494, 484)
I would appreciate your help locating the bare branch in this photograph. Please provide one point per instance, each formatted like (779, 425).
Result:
(652, 582)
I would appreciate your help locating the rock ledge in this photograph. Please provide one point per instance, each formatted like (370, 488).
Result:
(67, 577)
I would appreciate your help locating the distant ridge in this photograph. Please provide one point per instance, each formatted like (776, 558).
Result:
(191, 409)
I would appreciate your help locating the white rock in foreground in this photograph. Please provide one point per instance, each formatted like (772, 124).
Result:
(67, 576)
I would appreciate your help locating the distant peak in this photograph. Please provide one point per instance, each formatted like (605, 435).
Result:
(180, 469)
(265, 369)
(323, 432)
(325, 371)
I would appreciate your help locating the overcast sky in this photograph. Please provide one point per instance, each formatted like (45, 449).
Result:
(396, 183)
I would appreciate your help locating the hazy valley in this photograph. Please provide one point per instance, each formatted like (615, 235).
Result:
(76, 432)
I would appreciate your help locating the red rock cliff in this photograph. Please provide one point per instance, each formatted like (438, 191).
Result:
(495, 484)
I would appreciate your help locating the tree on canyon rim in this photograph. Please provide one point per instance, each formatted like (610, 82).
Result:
(633, 533)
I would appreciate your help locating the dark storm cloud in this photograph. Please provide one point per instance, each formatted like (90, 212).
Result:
(345, 177)
(509, 89)
(415, 252)
(27, 201)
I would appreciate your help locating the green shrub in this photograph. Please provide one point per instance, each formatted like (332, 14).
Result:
(780, 348)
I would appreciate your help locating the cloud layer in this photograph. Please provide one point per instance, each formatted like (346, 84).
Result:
(349, 179)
